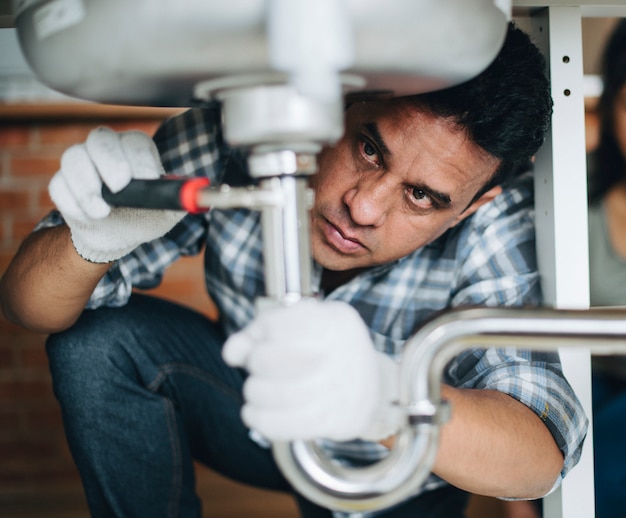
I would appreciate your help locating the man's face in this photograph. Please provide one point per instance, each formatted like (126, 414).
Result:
(397, 180)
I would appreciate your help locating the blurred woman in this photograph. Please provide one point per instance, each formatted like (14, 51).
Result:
(607, 271)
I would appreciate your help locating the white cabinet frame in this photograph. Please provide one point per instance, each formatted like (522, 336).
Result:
(561, 207)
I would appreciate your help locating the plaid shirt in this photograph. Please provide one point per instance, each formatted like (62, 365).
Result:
(488, 259)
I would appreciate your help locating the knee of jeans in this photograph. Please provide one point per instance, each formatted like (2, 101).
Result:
(83, 358)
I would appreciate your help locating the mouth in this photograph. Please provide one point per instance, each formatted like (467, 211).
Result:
(340, 240)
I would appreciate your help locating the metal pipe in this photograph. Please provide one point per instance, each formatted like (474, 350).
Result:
(411, 458)
(285, 227)
(227, 197)
(286, 248)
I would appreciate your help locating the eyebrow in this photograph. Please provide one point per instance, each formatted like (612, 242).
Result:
(441, 196)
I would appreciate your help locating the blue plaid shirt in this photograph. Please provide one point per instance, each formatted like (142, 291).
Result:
(488, 259)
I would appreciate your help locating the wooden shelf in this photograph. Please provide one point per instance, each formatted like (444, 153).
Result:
(80, 110)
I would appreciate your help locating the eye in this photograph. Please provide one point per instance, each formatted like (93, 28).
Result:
(370, 152)
(420, 198)
(368, 149)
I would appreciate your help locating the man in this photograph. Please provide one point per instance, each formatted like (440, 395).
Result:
(416, 211)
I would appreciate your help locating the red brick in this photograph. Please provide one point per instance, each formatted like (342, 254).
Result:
(11, 478)
(25, 338)
(7, 358)
(26, 451)
(44, 203)
(186, 268)
(33, 357)
(65, 135)
(48, 417)
(30, 417)
(20, 390)
(58, 476)
(13, 199)
(24, 225)
(8, 329)
(13, 136)
(11, 418)
(29, 165)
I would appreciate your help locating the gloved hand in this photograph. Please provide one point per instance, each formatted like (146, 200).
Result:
(99, 232)
(314, 373)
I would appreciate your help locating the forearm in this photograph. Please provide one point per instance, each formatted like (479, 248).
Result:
(496, 446)
(47, 285)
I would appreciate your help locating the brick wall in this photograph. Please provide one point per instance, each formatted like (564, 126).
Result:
(33, 452)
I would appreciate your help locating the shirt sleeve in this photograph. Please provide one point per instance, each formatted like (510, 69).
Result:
(500, 270)
(536, 380)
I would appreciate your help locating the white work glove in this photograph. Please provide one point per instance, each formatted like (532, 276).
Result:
(314, 373)
(99, 232)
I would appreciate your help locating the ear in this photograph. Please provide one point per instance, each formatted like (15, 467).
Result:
(485, 198)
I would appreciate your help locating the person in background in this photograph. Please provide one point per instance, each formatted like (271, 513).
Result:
(607, 278)
(421, 206)
(607, 273)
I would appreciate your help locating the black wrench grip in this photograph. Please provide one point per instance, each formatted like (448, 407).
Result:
(162, 193)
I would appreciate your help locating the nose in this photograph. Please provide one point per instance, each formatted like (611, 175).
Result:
(369, 201)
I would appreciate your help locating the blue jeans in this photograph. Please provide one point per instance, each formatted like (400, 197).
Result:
(144, 391)
(609, 446)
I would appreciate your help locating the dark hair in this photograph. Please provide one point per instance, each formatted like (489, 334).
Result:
(608, 163)
(506, 109)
